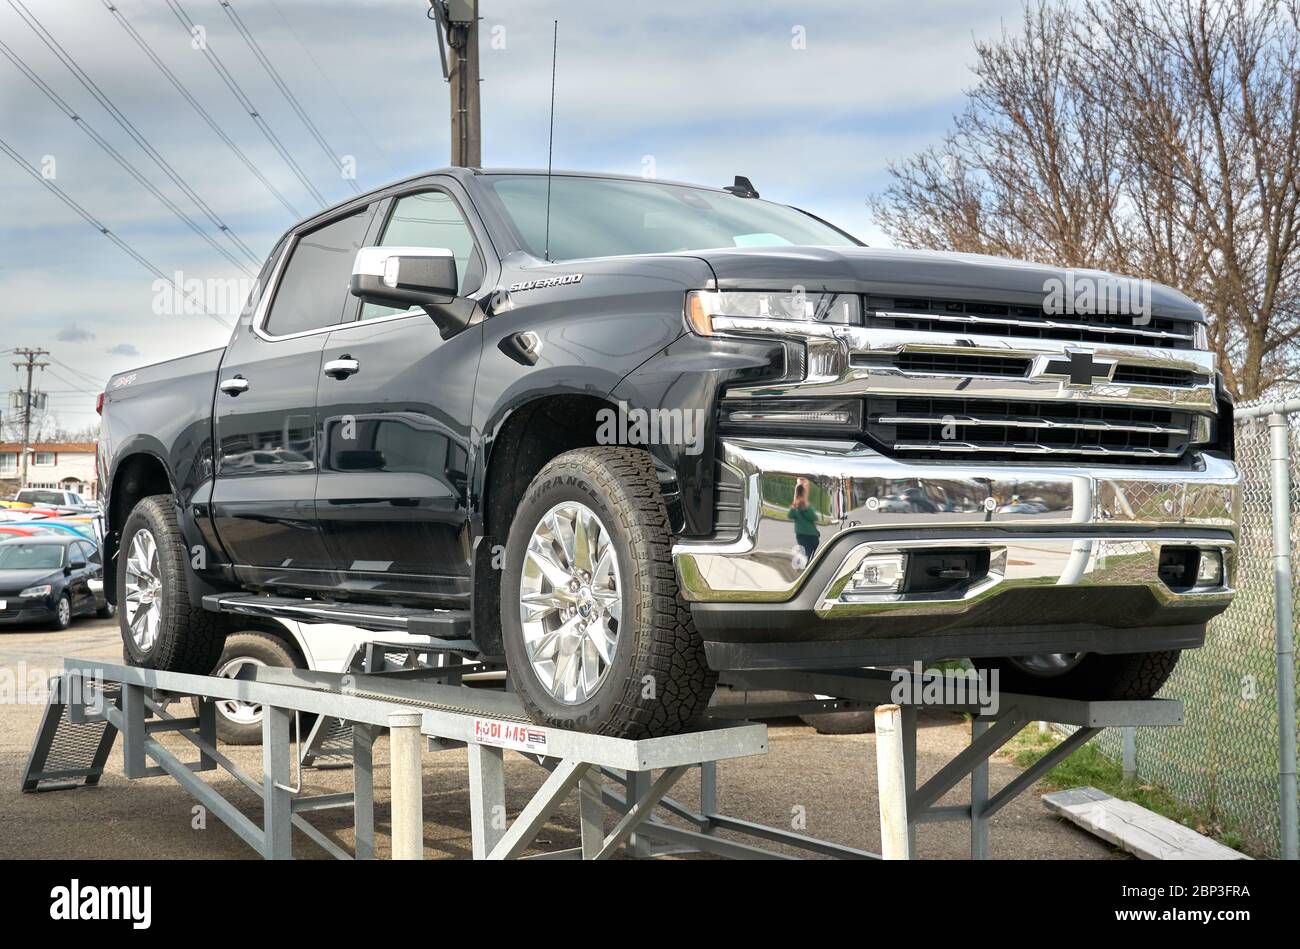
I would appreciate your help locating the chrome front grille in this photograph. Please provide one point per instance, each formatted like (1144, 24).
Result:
(961, 364)
(1157, 376)
(956, 363)
(928, 427)
(1012, 320)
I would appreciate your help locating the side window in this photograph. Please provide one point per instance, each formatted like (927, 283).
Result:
(431, 219)
(90, 552)
(313, 289)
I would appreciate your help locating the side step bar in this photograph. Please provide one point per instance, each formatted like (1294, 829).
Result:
(447, 624)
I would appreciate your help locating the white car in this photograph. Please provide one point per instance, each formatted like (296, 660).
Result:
(52, 497)
(327, 649)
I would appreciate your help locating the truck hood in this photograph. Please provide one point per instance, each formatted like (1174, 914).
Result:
(911, 273)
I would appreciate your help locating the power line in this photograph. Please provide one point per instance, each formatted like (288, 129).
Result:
(136, 135)
(338, 96)
(233, 85)
(119, 157)
(97, 225)
(77, 372)
(198, 107)
(274, 73)
(66, 382)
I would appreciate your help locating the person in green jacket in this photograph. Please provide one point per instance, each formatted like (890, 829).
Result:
(805, 520)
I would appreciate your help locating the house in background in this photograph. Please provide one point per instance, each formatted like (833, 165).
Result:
(68, 466)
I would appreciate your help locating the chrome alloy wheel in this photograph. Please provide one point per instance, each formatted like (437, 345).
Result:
(63, 610)
(143, 590)
(1047, 665)
(570, 601)
(239, 712)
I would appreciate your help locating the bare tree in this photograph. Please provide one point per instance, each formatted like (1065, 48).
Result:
(1158, 138)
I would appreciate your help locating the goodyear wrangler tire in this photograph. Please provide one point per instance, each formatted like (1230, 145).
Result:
(1096, 676)
(161, 629)
(597, 635)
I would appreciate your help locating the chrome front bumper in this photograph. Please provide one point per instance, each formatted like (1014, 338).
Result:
(1060, 526)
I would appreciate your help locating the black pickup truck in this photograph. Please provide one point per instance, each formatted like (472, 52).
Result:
(628, 434)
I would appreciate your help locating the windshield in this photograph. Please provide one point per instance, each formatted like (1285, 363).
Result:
(31, 556)
(607, 217)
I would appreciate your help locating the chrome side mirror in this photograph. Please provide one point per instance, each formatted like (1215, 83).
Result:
(411, 276)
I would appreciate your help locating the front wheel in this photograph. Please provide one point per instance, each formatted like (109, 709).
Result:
(62, 613)
(1091, 675)
(597, 635)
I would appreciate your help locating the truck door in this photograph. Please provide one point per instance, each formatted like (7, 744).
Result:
(263, 496)
(393, 408)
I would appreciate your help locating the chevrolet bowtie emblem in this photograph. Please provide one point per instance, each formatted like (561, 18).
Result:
(1079, 368)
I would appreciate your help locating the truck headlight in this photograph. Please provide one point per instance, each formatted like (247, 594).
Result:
(751, 309)
(43, 590)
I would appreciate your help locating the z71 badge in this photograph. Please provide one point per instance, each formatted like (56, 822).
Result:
(548, 282)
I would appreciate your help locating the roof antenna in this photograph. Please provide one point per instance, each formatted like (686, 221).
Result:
(550, 142)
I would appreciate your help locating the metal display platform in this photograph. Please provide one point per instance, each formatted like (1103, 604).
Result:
(427, 708)
(990, 732)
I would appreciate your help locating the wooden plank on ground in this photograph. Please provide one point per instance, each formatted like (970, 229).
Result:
(1134, 829)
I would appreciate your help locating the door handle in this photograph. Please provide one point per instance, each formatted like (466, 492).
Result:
(234, 386)
(341, 368)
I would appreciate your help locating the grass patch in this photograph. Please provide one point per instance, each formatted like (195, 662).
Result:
(1089, 767)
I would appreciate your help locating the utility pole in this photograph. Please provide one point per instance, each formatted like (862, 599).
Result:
(458, 47)
(30, 357)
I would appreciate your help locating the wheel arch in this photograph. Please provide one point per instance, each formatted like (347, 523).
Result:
(135, 476)
(523, 440)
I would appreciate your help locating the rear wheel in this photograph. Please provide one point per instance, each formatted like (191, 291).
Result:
(240, 723)
(597, 635)
(1091, 675)
(161, 629)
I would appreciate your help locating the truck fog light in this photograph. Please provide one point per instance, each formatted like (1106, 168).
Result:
(1209, 572)
(877, 574)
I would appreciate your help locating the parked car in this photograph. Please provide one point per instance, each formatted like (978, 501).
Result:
(50, 579)
(627, 434)
(52, 497)
(320, 647)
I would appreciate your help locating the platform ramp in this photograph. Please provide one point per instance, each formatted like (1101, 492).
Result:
(71, 751)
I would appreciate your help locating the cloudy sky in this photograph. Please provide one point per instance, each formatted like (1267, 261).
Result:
(810, 100)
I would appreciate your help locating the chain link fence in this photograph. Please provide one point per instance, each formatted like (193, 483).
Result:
(1226, 759)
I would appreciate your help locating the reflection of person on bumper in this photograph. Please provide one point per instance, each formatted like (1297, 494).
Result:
(805, 519)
